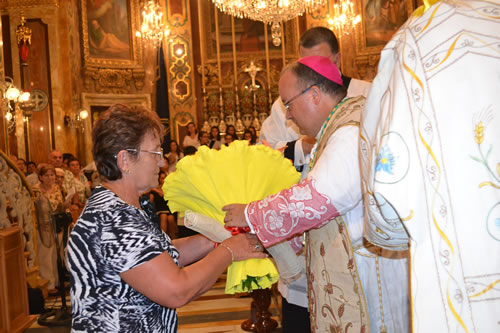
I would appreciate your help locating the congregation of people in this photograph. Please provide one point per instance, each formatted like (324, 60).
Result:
(381, 225)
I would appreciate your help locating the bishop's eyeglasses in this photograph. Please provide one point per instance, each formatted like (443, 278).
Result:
(289, 102)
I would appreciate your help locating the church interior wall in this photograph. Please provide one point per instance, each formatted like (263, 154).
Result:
(228, 72)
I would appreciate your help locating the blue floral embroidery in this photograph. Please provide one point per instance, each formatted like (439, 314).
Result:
(385, 160)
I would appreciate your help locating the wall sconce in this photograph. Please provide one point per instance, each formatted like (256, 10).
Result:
(12, 100)
(76, 121)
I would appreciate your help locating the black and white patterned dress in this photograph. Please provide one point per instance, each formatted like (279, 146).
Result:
(110, 238)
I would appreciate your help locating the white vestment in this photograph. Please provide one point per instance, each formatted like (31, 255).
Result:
(430, 155)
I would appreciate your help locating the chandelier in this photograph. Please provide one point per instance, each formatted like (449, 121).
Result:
(152, 28)
(269, 11)
(345, 18)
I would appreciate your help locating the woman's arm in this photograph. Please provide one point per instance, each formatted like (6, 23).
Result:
(192, 248)
(162, 281)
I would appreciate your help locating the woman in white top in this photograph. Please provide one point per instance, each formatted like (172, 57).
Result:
(174, 156)
(192, 138)
(215, 141)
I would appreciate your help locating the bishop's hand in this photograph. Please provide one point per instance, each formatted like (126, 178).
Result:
(235, 215)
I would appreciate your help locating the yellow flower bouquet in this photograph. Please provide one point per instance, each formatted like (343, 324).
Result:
(239, 173)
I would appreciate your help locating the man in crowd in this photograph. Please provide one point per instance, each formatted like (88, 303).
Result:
(56, 159)
(32, 178)
(204, 138)
(21, 164)
(280, 133)
(352, 285)
(430, 163)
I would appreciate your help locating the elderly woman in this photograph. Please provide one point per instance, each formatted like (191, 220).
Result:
(48, 200)
(80, 182)
(126, 274)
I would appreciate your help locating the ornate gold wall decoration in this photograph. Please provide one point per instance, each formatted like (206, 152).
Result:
(138, 75)
(179, 68)
(178, 58)
(30, 3)
(111, 80)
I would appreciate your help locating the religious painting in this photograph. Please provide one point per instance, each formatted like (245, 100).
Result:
(380, 20)
(108, 30)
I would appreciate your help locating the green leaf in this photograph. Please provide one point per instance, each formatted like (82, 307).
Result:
(488, 153)
(477, 159)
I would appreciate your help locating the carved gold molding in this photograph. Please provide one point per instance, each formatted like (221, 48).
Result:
(28, 3)
(110, 80)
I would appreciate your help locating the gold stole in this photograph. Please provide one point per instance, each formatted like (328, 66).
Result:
(336, 299)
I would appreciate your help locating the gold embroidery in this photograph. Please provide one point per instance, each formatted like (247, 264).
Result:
(409, 217)
(430, 19)
(455, 314)
(489, 184)
(486, 289)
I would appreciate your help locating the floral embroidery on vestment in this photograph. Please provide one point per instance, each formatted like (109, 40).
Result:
(290, 212)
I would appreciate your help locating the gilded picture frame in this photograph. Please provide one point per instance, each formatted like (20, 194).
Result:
(380, 19)
(108, 33)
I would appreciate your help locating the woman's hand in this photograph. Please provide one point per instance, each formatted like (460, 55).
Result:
(235, 215)
(244, 246)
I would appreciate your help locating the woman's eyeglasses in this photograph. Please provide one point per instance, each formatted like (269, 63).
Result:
(159, 154)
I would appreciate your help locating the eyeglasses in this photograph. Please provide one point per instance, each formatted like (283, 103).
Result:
(159, 154)
(289, 102)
